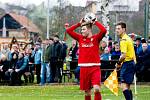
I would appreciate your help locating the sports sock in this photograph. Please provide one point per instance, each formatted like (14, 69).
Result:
(87, 97)
(131, 94)
(97, 96)
(127, 94)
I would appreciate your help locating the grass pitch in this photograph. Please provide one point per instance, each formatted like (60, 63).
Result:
(63, 92)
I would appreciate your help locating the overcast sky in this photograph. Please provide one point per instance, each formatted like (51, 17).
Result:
(37, 2)
(24, 3)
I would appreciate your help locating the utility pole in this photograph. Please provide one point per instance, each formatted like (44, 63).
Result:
(149, 19)
(146, 23)
(4, 28)
(61, 4)
(117, 16)
(47, 34)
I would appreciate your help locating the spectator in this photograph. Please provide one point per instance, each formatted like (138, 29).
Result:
(29, 52)
(143, 63)
(73, 49)
(37, 60)
(137, 46)
(73, 54)
(14, 59)
(45, 68)
(106, 55)
(116, 53)
(21, 66)
(11, 71)
(5, 65)
(113, 46)
(64, 50)
(110, 43)
(103, 45)
(6, 51)
(56, 57)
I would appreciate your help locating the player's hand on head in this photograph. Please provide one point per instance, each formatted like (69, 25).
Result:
(93, 21)
(82, 21)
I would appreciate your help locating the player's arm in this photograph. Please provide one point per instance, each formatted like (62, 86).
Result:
(102, 29)
(71, 32)
(121, 59)
(120, 62)
(123, 48)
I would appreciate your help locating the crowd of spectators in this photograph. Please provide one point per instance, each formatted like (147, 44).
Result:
(43, 59)
(46, 59)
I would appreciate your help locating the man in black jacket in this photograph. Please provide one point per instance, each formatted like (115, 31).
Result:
(56, 58)
(143, 69)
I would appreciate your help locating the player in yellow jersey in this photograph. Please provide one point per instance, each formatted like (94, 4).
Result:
(127, 60)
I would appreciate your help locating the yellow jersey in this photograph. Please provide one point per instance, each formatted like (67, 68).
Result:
(127, 46)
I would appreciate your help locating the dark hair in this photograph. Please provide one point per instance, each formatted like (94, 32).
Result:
(51, 38)
(138, 38)
(39, 40)
(56, 36)
(115, 42)
(143, 40)
(89, 25)
(122, 24)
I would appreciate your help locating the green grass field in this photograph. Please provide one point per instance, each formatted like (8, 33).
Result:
(62, 92)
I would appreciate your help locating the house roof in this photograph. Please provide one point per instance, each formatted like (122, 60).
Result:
(24, 22)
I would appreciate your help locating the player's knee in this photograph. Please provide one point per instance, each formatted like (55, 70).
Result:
(96, 88)
(125, 86)
(88, 93)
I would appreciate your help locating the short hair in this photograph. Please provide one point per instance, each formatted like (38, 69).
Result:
(122, 24)
(116, 42)
(143, 40)
(88, 25)
(138, 38)
(51, 38)
(56, 36)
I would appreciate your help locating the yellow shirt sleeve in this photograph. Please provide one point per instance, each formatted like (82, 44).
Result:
(123, 46)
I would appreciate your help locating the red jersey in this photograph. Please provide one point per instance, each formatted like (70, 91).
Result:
(88, 47)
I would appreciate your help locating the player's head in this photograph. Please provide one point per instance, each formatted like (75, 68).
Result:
(120, 28)
(86, 29)
(56, 38)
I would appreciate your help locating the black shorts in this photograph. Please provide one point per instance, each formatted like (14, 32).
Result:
(127, 72)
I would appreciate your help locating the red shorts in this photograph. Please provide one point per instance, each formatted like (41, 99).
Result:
(89, 76)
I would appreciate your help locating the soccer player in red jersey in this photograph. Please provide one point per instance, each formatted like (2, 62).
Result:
(89, 59)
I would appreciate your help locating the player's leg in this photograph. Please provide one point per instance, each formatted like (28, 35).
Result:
(127, 76)
(96, 80)
(85, 82)
(126, 91)
(88, 95)
(97, 94)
